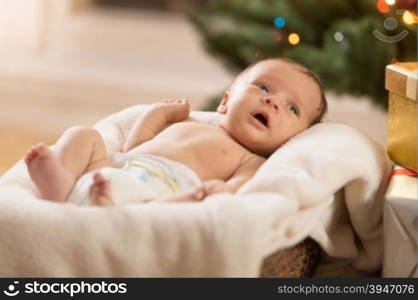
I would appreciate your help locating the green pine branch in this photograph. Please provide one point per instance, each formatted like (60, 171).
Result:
(240, 32)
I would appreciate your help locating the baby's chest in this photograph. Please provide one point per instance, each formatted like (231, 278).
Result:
(208, 149)
(219, 157)
(203, 139)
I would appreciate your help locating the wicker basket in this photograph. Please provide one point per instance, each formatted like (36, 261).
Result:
(295, 262)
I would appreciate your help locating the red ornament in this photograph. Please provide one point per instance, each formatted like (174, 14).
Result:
(382, 7)
(406, 4)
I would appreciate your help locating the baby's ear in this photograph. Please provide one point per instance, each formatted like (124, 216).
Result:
(222, 107)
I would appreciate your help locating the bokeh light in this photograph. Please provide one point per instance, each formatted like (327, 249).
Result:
(279, 22)
(294, 38)
(339, 36)
(409, 18)
(390, 24)
(278, 36)
(390, 2)
(382, 7)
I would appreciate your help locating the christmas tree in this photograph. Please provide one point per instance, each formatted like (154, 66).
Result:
(347, 42)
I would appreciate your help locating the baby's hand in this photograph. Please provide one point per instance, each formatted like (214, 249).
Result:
(174, 110)
(207, 188)
(215, 186)
(192, 196)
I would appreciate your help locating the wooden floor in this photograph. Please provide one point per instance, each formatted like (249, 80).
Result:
(102, 61)
(97, 63)
(15, 143)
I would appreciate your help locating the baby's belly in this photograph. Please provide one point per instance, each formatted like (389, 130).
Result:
(206, 161)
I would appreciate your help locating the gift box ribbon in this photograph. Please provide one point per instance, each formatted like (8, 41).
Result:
(407, 172)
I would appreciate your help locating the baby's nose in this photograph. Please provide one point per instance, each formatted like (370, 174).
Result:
(272, 103)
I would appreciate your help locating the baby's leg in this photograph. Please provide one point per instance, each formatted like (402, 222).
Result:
(54, 172)
(100, 193)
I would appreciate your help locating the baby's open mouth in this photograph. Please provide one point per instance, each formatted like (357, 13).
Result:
(262, 118)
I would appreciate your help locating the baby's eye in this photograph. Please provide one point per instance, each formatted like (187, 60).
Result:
(263, 87)
(294, 109)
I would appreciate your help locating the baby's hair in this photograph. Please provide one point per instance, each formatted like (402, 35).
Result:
(323, 106)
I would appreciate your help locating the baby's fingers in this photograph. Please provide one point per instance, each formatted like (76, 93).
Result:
(183, 101)
(199, 193)
(214, 186)
(179, 101)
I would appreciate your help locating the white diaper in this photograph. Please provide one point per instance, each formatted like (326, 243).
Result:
(140, 179)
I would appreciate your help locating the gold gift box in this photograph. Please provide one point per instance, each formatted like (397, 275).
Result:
(401, 82)
(400, 225)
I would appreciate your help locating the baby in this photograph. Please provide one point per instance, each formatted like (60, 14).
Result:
(266, 105)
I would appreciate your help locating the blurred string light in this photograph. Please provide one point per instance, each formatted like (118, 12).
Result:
(339, 36)
(390, 2)
(294, 38)
(382, 6)
(279, 22)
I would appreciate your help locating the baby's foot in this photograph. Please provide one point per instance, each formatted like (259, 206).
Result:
(100, 193)
(49, 175)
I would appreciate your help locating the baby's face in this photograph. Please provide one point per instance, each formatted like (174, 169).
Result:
(269, 104)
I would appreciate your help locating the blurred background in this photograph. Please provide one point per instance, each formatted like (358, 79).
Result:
(70, 62)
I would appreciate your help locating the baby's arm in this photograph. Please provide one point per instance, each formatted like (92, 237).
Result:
(243, 173)
(154, 120)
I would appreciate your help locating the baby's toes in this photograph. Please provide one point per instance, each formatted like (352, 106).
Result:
(98, 178)
(30, 155)
(93, 191)
(105, 189)
(42, 149)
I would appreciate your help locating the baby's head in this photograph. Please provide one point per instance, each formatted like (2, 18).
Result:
(270, 102)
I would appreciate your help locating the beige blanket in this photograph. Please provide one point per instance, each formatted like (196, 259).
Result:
(326, 183)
